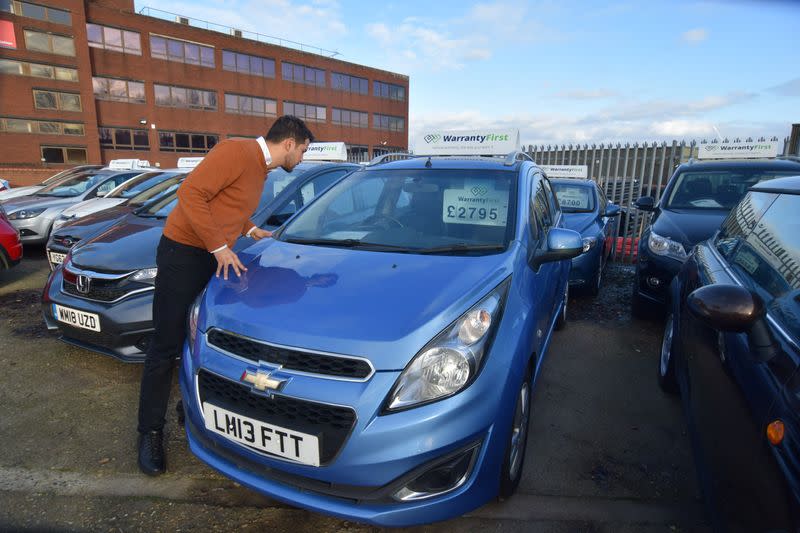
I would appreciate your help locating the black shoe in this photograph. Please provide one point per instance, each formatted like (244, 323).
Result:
(151, 453)
(180, 412)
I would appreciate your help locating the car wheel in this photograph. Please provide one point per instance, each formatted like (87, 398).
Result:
(511, 472)
(561, 321)
(666, 361)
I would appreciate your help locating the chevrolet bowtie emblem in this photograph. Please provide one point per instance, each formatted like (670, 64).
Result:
(262, 380)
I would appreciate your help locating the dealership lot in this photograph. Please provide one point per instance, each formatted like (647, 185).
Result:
(607, 451)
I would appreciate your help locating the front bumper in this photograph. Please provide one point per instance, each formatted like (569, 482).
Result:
(126, 326)
(654, 273)
(381, 452)
(584, 267)
(34, 230)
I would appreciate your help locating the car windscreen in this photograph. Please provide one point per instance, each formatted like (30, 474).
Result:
(140, 183)
(443, 211)
(574, 198)
(716, 189)
(160, 206)
(168, 185)
(74, 186)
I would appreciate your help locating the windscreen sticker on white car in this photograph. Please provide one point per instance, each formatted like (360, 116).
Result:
(577, 197)
(478, 204)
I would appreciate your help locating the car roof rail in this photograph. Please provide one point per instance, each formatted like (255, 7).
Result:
(515, 156)
(789, 157)
(377, 160)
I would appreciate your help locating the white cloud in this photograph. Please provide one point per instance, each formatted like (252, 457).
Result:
(313, 22)
(694, 36)
(790, 88)
(591, 94)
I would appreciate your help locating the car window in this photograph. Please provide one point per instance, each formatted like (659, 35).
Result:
(168, 185)
(277, 181)
(539, 215)
(601, 197)
(741, 221)
(768, 259)
(413, 208)
(574, 197)
(142, 183)
(716, 189)
(73, 186)
(113, 183)
(551, 199)
(316, 185)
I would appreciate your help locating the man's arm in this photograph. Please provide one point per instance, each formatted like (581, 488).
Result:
(221, 167)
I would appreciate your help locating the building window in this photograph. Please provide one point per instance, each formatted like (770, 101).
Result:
(36, 11)
(247, 64)
(118, 90)
(42, 127)
(37, 70)
(115, 39)
(302, 74)
(56, 100)
(49, 43)
(347, 117)
(311, 112)
(388, 90)
(185, 97)
(250, 105)
(181, 51)
(123, 138)
(173, 141)
(64, 154)
(352, 84)
(388, 122)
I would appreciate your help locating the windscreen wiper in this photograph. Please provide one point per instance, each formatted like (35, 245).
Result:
(461, 247)
(352, 243)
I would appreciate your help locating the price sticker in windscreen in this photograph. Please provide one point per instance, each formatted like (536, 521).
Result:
(575, 197)
(477, 204)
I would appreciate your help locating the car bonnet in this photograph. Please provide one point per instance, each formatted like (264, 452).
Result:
(383, 306)
(128, 245)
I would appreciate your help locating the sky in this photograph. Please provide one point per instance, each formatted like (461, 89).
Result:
(563, 71)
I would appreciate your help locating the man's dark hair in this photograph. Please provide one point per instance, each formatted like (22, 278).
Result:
(289, 126)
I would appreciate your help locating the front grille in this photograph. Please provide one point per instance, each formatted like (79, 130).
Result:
(67, 241)
(331, 424)
(94, 338)
(313, 363)
(104, 290)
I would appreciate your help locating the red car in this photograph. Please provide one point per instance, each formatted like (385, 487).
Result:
(10, 246)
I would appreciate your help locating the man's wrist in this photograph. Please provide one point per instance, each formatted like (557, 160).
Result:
(219, 249)
(250, 232)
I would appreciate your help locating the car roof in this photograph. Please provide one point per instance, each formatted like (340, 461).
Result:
(749, 164)
(573, 181)
(789, 184)
(447, 162)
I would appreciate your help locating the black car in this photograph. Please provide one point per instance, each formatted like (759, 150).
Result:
(731, 348)
(101, 298)
(64, 238)
(696, 200)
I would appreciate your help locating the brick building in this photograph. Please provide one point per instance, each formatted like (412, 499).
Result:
(91, 80)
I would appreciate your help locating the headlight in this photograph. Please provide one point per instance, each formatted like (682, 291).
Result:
(588, 242)
(666, 247)
(194, 314)
(26, 213)
(451, 361)
(146, 275)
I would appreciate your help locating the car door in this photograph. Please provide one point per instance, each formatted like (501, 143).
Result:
(607, 224)
(544, 282)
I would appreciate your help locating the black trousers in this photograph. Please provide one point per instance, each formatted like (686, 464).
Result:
(183, 272)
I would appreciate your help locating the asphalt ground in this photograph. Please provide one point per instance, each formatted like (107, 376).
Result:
(607, 450)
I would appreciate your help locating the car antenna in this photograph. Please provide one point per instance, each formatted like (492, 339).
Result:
(428, 163)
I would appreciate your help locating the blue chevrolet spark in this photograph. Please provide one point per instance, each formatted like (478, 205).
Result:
(376, 360)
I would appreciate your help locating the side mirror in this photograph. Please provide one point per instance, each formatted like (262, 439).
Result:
(561, 244)
(736, 309)
(646, 203)
(612, 210)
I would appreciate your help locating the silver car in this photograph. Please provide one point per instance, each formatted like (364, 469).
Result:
(33, 215)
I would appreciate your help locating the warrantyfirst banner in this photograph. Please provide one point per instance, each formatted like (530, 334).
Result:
(738, 150)
(565, 171)
(332, 151)
(477, 142)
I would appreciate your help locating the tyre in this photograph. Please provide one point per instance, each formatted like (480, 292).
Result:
(666, 360)
(511, 471)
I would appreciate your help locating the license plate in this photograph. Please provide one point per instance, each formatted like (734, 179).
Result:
(56, 258)
(293, 445)
(73, 317)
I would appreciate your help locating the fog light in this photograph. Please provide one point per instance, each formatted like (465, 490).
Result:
(775, 432)
(441, 478)
(654, 282)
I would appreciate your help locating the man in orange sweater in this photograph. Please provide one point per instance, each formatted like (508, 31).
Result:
(214, 205)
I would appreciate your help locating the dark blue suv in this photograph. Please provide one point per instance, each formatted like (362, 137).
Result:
(732, 348)
(696, 200)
